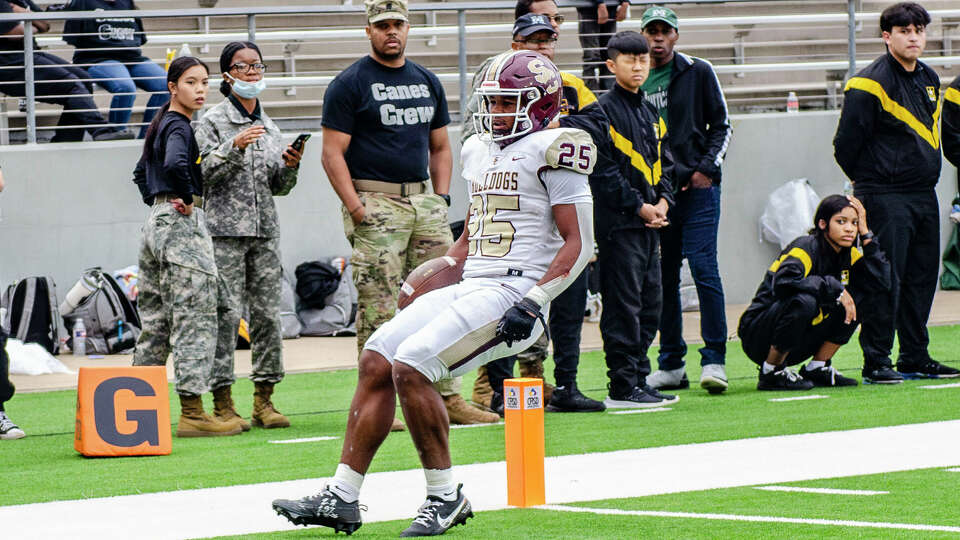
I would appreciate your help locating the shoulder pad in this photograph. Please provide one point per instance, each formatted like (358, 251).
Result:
(472, 154)
(569, 148)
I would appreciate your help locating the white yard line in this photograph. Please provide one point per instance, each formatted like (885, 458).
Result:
(756, 519)
(797, 398)
(941, 386)
(308, 439)
(953, 469)
(824, 491)
(465, 426)
(639, 411)
(587, 477)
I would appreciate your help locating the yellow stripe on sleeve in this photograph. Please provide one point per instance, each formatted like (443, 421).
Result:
(898, 111)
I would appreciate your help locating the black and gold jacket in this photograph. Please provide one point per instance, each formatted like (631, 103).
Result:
(951, 122)
(888, 138)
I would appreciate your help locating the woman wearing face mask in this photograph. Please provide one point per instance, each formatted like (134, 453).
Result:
(813, 297)
(245, 164)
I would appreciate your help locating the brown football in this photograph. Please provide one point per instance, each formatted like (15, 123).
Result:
(433, 274)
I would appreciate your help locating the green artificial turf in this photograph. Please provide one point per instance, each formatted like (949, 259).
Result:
(44, 467)
(915, 497)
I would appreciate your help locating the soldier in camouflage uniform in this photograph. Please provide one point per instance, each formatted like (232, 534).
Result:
(178, 274)
(245, 164)
(385, 139)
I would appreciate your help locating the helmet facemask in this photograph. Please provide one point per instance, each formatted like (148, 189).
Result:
(522, 122)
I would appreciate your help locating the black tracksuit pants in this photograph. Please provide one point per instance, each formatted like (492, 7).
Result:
(593, 40)
(632, 297)
(6, 387)
(907, 227)
(59, 82)
(566, 323)
(788, 325)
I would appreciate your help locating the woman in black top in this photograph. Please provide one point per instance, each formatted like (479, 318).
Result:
(812, 298)
(178, 276)
(109, 49)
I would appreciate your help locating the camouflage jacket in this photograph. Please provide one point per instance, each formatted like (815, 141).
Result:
(239, 185)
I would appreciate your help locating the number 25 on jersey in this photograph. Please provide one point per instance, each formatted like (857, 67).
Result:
(490, 236)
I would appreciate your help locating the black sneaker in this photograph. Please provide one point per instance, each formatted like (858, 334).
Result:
(436, 516)
(881, 375)
(325, 508)
(930, 369)
(782, 379)
(826, 376)
(569, 399)
(639, 398)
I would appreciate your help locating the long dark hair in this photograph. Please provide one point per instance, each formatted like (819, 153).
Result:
(829, 207)
(226, 60)
(177, 68)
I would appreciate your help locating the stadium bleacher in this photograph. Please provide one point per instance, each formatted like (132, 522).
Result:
(309, 49)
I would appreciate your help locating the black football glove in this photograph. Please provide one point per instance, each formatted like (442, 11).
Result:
(518, 322)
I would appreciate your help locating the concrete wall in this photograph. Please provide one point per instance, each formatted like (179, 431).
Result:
(71, 206)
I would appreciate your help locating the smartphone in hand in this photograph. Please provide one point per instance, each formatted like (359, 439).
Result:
(300, 141)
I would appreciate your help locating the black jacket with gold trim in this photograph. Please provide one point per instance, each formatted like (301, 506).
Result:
(888, 138)
(640, 170)
(951, 123)
(810, 265)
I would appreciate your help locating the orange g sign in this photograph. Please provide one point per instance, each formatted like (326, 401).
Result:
(122, 411)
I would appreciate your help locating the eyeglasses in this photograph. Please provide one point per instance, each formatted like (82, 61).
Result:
(556, 18)
(249, 68)
(547, 41)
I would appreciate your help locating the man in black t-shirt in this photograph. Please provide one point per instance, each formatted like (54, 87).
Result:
(56, 81)
(384, 139)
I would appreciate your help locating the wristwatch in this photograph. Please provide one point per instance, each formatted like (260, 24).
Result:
(867, 236)
(445, 197)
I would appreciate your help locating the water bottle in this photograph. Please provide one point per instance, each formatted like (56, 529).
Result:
(793, 103)
(79, 338)
(184, 51)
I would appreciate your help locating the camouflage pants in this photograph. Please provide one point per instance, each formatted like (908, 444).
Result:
(396, 235)
(250, 272)
(178, 297)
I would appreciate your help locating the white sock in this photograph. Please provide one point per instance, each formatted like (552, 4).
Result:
(768, 367)
(815, 364)
(346, 483)
(440, 484)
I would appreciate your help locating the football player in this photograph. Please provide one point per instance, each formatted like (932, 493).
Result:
(529, 233)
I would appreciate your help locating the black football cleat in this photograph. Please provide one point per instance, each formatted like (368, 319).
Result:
(436, 516)
(782, 379)
(929, 369)
(826, 376)
(325, 508)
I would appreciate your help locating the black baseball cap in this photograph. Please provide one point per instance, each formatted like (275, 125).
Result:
(532, 22)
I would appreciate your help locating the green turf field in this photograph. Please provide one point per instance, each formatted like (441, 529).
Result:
(44, 467)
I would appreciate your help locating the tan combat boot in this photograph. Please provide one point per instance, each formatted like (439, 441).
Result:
(482, 391)
(196, 423)
(461, 412)
(264, 414)
(223, 408)
(534, 370)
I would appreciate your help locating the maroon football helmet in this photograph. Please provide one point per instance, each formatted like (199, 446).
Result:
(529, 77)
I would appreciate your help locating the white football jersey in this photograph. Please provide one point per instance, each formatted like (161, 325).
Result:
(512, 192)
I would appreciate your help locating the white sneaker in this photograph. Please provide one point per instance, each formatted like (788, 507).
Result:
(9, 430)
(713, 378)
(668, 379)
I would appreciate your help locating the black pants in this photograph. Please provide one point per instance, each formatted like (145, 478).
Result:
(907, 227)
(632, 297)
(566, 322)
(6, 387)
(59, 82)
(593, 40)
(797, 326)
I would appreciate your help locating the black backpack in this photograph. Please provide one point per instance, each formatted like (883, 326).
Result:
(112, 323)
(32, 315)
(315, 282)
